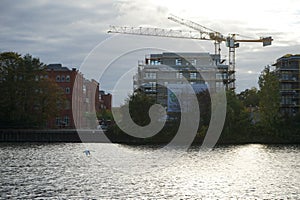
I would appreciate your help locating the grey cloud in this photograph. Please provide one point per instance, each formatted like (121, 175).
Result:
(60, 29)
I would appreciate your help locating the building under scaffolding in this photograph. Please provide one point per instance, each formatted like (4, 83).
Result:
(201, 70)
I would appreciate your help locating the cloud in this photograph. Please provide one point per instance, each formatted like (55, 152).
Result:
(54, 30)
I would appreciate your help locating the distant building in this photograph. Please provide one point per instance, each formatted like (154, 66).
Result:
(91, 96)
(160, 71)
(288, 70)
(85, 101)
(105, 100)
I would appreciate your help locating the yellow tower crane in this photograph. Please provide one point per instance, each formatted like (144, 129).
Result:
(200, 33)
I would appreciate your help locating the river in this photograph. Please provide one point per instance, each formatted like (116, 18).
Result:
(62, 170)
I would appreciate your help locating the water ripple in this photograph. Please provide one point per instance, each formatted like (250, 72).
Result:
(46, 171)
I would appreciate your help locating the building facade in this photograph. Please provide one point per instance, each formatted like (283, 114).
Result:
(105, 100)
(288, 70)
(84, 103)
(159, 71)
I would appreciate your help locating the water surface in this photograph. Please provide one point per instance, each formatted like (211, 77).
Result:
(64, 171)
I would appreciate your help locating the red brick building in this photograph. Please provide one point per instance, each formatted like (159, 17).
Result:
(85, 102)
(105, 101)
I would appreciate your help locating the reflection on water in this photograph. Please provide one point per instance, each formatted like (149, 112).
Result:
(64, 171)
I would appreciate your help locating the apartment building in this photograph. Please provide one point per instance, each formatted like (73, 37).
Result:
(85, 102)
(173, 70)
(288, 70)
(105, 100)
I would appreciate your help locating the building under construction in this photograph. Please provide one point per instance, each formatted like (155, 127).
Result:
(288, 70)
(200, 32)
(201, 70)
(195, 67)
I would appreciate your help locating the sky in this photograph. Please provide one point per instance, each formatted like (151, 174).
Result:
(74, 33)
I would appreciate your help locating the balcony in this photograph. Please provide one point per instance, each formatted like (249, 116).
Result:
(288, 79)
(288, 91)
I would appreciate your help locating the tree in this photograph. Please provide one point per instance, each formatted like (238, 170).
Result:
(28, 97)
(237, 123)
(269, 100)
(49, 101)
(249, 97)
(9, 88)
(204, 102)
(139, 105)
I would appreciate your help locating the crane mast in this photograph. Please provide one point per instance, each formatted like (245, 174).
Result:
(200, 33)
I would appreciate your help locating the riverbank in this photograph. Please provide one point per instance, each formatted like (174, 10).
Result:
(98, 136)
(51, 135)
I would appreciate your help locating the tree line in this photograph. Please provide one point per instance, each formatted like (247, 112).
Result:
(252, 115)
(28, 97)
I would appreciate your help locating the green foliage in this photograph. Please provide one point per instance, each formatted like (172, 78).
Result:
(105, 115)
(204, 102)
(249, 97)
(28, 98)
(261, 105)
(237, 122)
(139, 106)
(269, 100)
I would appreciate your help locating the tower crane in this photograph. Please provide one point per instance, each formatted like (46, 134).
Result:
(204, 31)
(199, 32)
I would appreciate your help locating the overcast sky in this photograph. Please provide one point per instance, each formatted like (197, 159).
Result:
(68, 31)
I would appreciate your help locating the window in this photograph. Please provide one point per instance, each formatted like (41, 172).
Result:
(287, 76)
(68, 78)
(62, 79)
(84, 89)
(194, 62)
(286, 86)
(67, 105)
(66, 120)
(193, 75)
(57, 121)
(68, 90)
(155, 62)
(219, 76)
(153, 85)
(178, 61)
(206, 83)
(179, 75)
(286, 100)
(58, 78)
(150, 75)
